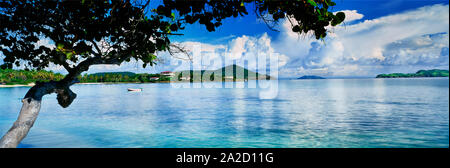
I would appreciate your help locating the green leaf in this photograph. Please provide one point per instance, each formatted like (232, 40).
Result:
(340, 16)
(296, 28)
(60, 46)
(312, 2)
(150, 57)
(68, 55)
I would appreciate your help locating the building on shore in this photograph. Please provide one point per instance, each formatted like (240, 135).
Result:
(185, 78)
(154, 78)
(167, 74)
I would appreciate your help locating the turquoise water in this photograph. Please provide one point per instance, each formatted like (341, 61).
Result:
(306, 113)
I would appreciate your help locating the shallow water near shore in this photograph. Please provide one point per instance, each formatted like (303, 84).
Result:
(306, 113)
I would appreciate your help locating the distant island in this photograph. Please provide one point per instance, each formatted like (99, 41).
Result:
(228, 73)
(311, 77)
(418, 74)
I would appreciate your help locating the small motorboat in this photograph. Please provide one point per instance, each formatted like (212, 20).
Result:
(134, 90)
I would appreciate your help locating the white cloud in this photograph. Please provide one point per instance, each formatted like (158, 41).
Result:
(241, 50)
(238, 46)
(372, 46)
(422, 50)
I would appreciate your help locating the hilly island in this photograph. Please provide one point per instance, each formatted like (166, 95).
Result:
(228, 73)
(418, 74)
(311, 77)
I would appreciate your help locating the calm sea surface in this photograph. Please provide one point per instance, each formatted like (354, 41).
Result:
(306, 113)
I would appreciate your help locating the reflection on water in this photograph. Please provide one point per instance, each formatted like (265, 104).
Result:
(306, 113)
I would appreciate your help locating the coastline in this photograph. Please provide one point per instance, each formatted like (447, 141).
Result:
(89, 83)
(111, 83)
(106, 83)
(411, 77)
(17, 85)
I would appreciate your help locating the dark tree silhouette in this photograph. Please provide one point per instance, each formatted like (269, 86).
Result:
(90, 32)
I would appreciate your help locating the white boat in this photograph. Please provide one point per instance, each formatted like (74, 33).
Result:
(134, 90)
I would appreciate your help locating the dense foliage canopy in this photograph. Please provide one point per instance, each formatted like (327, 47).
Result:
(10, 76)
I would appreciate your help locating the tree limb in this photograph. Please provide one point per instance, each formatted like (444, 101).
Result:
(99, 52)
(30, 109)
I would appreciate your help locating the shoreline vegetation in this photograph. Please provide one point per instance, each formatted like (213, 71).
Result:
(311, 77)
(418, 74)
(232, 73)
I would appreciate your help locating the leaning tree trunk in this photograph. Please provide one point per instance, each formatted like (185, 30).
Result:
(28, 114)
(32, 105)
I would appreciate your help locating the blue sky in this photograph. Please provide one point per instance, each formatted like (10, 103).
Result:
(378, 36)
(251, 26)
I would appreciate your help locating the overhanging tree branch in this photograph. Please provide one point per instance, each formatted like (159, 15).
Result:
(130, 32)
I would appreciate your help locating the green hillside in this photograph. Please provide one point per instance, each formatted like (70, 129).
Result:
(420, 73)
(228, 73)
(311, 77)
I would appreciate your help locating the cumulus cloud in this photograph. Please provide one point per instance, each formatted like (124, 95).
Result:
(422, 50)
(244, 51)
(238, 46)
(414, 39)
